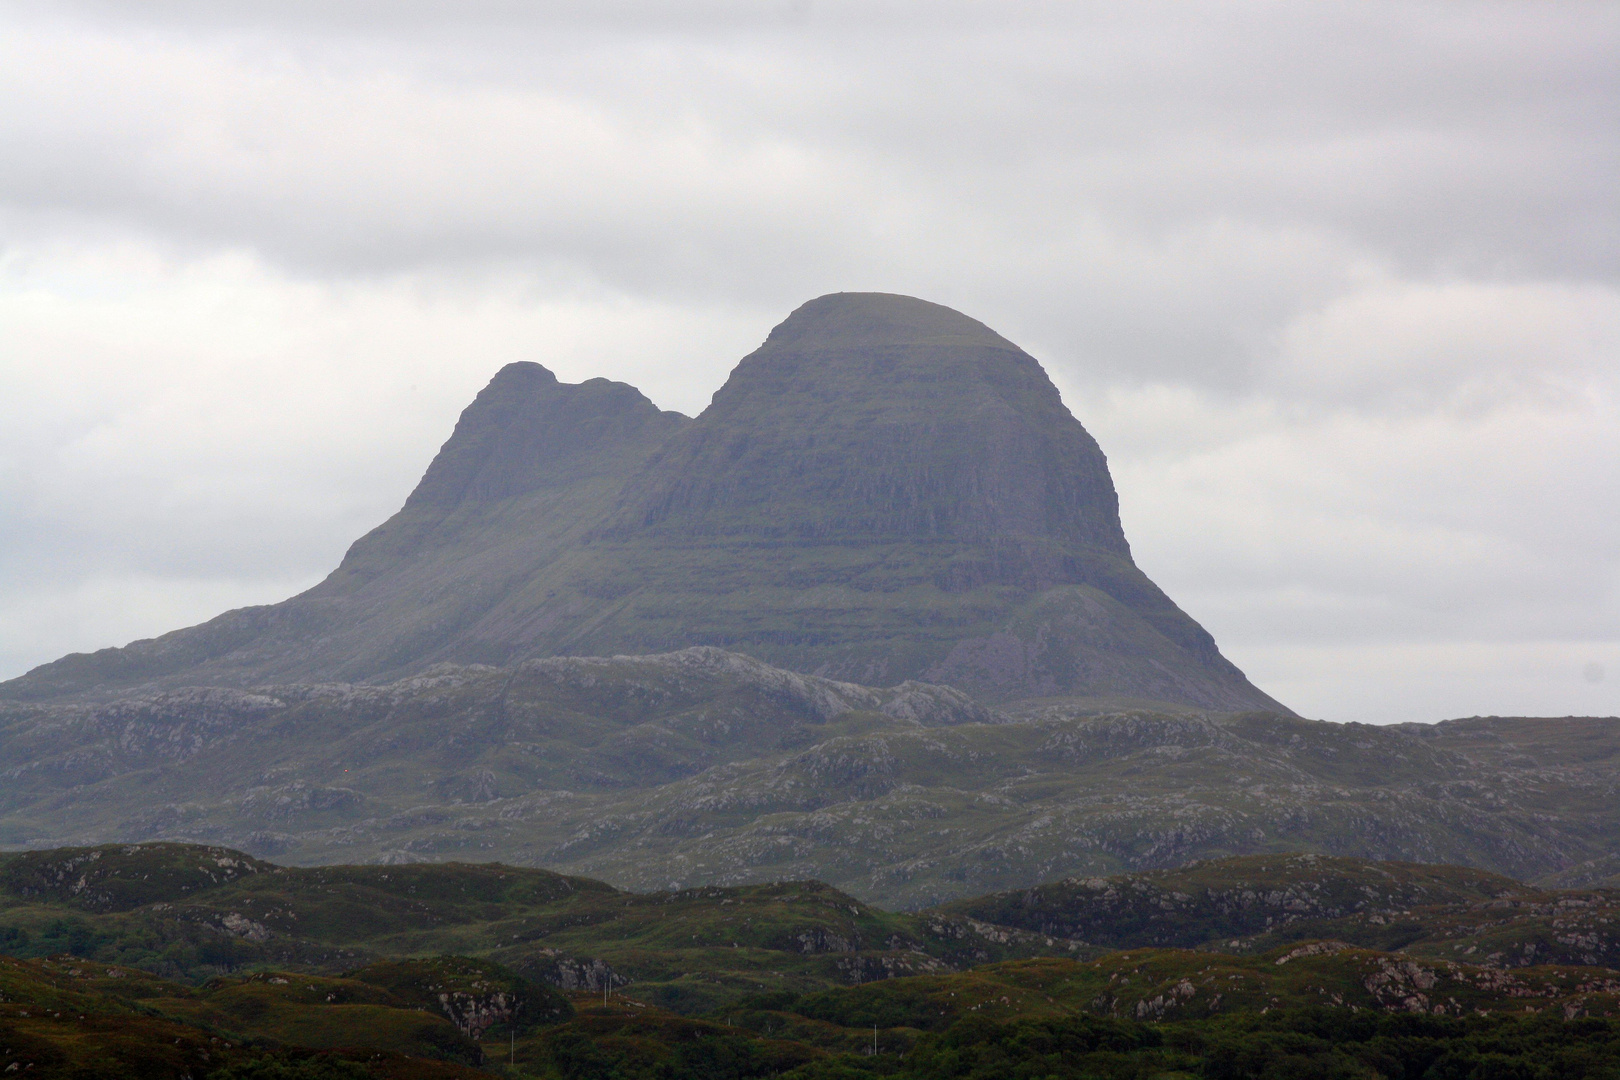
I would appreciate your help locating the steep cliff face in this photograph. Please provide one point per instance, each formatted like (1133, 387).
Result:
(885, 490)
(875, 418)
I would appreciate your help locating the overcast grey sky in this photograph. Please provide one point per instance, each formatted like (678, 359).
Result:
(1336, 286)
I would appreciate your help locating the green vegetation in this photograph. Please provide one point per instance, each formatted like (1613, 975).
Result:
(1317, 1044)
(113, 879)
(689, 949)
(1260, 902)
(66, 1017)
(337, 973)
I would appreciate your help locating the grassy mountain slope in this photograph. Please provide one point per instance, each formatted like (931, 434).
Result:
(704, 767)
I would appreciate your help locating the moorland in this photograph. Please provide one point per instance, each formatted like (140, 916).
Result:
(166, 960)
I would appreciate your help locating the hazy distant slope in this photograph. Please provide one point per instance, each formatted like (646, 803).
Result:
(886, 489)
(531, 463)
(709, 767)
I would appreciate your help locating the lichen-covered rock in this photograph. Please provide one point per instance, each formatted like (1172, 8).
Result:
(119, 877)
(475, 995)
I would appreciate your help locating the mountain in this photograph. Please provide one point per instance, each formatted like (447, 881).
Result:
(886, 490)
(706, 767)
(531, 462)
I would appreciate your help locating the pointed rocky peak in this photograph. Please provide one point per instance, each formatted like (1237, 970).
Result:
(526, 430)
(525, 437)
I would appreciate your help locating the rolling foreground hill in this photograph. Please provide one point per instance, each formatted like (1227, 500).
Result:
(885, 490)
(707, 767)
(171, 961)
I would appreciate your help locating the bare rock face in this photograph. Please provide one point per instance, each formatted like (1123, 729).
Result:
(886, 490)
(875, 418)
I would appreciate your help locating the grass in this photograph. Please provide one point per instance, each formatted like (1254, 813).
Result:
(439, 971)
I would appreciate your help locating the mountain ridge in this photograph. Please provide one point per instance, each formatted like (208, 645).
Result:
(884, 490)
(710, 768)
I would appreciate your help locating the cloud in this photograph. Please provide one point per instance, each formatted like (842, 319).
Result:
(216, 423)
(1410, 522)
(1423, 680)
(1461, 345)
(1336, 285)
